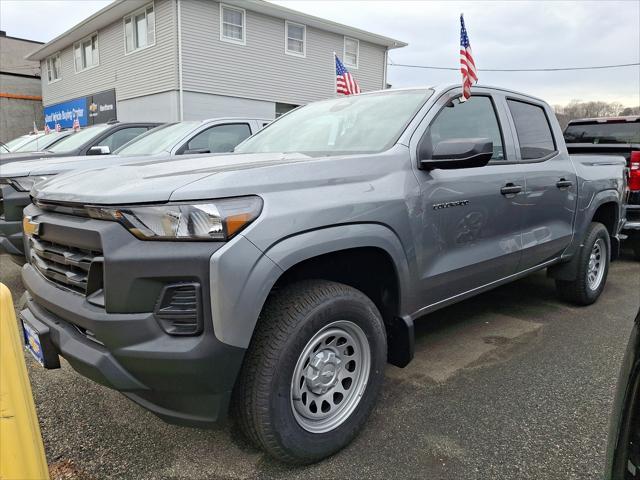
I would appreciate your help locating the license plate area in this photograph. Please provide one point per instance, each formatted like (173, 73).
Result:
(38, 343)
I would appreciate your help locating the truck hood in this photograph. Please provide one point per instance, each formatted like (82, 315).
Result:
(55, 165)
(7, 158)
(148, 180)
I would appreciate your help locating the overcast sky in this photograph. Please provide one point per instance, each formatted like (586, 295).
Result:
(512, 34)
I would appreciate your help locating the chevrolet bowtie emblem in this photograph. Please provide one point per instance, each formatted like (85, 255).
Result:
(30, 227)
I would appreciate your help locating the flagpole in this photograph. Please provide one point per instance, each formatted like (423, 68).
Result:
(335, 78)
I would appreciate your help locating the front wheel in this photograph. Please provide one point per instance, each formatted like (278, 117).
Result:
(593, 268)
(313, 371)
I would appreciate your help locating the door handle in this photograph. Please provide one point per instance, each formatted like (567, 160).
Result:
(510, 189)
(562, 183)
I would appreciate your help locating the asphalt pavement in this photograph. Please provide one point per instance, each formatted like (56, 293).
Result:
(510, 384)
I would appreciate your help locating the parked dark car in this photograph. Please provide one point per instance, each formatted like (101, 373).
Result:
(613, 136)
(96, 140)
(623, 453)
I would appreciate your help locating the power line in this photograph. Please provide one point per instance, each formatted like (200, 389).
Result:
(561, 69)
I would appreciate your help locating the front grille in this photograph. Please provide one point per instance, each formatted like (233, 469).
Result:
(62, 264)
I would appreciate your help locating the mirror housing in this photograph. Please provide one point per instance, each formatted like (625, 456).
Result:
(456, 153)
(99, 150)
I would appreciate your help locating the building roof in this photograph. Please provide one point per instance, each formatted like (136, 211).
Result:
(120, 8)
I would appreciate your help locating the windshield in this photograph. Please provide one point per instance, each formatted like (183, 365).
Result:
(78, 139)
(160, 139)
(42, 142)
(610, 132)
(13, 145)
(355, 124)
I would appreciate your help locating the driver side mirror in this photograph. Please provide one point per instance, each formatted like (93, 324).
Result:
(456, 153)
(99, 150)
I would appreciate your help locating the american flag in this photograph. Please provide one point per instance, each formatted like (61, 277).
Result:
(76, 123)
(58, 127)
(47, 130)
(345, 83)
(467, 65)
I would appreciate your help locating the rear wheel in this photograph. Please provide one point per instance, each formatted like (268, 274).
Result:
(593, 268)
(313, 371)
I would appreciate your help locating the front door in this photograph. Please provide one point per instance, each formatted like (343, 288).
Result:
(471, 232)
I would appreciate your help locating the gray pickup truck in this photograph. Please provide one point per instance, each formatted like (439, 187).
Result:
(278, 280)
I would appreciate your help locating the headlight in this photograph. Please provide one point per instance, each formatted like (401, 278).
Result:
(24, 184)
(213, 220)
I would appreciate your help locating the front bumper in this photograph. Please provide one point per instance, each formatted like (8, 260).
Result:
(183, 379)
(12, 203)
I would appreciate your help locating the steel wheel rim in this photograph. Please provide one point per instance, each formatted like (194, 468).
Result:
(597, 262)
(330, 377)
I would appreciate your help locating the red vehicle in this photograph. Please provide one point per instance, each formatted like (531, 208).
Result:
(613, 136)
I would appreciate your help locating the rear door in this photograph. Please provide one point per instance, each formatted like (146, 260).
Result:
(550, 182)
(470, 234)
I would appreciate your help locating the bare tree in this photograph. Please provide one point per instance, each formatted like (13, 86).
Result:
(577, 109)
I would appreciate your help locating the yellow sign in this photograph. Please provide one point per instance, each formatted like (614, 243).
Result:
(21, 449)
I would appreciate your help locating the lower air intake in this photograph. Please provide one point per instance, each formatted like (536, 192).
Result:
(178, 309)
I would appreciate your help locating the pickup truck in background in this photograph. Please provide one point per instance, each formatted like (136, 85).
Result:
(215, 135)
(613, 136)
(278, 280)
(99, 139)
(22, 147)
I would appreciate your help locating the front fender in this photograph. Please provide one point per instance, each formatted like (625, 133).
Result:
(242, 276)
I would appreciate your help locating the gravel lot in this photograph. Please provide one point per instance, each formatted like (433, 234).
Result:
(510, 384)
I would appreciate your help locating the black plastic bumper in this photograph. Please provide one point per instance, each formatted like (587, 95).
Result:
(183, 379)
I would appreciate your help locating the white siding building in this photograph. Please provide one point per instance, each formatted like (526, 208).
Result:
(168, 60)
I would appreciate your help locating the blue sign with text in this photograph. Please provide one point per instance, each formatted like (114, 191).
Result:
(64, 113)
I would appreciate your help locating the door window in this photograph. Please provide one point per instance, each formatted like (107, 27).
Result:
(122, 136)
(475, 118)
(532, 127)
(218, 139)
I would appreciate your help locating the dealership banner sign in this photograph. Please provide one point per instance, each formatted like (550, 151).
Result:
(96, 108)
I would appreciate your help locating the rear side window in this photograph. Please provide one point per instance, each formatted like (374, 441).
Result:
(532, 127)
(475, 118)
(122, 136)
(219, 139)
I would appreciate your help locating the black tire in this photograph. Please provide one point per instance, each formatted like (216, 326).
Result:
(579, 291)
(262, 404)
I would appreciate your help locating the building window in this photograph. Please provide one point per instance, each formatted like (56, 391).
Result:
(232, 24)
(282, 108)
(54, 68)
(85, 53)
(140, 29)
(351, 52)
(296, 39)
